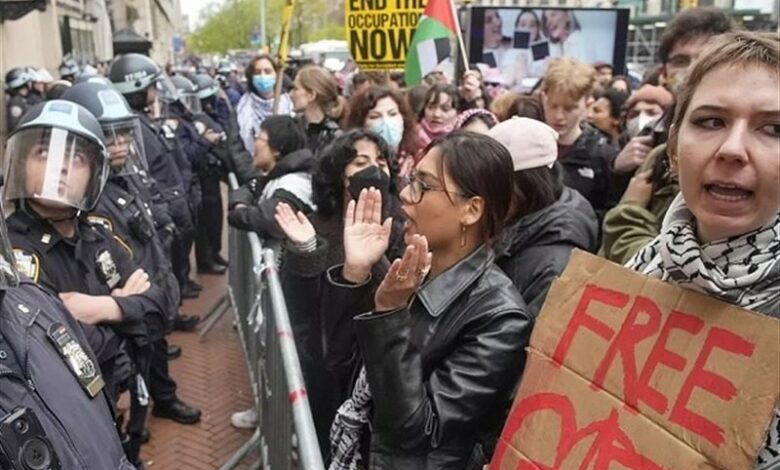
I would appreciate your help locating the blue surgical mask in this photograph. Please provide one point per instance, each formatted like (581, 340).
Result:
(263, 83)
(389, 129)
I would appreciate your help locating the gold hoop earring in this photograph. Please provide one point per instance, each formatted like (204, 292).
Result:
(462, 236)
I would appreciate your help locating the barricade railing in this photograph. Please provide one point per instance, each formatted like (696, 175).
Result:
(285, 437)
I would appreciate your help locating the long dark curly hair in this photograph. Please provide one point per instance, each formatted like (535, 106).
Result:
(328, 178)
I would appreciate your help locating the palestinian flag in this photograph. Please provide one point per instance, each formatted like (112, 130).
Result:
(431, 40)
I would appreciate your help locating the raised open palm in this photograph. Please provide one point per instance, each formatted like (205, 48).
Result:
(366, 238)
(296, 226)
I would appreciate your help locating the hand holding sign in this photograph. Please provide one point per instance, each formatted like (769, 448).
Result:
(615, 357)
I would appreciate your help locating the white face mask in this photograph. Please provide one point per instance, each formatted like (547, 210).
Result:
(635, 125)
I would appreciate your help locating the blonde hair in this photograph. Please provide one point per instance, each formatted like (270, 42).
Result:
(503, 105)
(569, 77)
(320, 81)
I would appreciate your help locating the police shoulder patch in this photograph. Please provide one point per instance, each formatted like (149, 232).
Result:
(28, 264)
(16, 111)
(99, 220)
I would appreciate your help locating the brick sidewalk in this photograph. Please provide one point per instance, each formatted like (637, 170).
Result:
(211, 375)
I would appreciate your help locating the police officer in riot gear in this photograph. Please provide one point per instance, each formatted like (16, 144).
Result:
(216, 106)
(136, 77)
(17, 85)
(197, 139)
(123, 210)
(56, 166)
(49, 374)
(208, 241)
(69, 70)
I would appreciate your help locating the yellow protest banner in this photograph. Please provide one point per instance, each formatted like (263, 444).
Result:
(379, 32)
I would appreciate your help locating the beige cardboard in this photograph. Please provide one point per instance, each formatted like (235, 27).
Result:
(711, 413)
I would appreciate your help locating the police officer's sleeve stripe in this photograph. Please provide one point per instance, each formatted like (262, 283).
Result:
(28, 264)
(125, 246)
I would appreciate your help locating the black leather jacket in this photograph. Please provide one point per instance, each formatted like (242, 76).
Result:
(442, 370)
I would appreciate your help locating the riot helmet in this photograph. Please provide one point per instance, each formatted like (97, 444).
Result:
(16, 78)
(121, 127)
(132, 75)
(166, 89)
(56, 157)
(94, 78)
(206, 86)
(188, 94)
(69, 69)
(225, 67)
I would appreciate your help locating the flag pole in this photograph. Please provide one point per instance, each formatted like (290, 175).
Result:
(459, 32)
(284, 46)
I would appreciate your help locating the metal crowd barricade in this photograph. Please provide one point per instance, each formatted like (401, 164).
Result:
(285, 437)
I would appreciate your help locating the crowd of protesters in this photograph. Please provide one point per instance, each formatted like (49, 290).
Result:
(420, 228)
(437, 217)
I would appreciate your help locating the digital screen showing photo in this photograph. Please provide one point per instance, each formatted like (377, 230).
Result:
(520, 42)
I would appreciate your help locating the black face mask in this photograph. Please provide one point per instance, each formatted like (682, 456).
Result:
(368, 178)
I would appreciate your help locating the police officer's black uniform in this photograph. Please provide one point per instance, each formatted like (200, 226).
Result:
(133, 75)
(125, 211)
(95, 263)
(39, 340)
(57, 162)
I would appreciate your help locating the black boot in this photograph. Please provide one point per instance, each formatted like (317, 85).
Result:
(177, 410)
(185, 322)
(173, 352)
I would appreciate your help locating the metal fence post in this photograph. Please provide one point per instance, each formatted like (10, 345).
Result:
(260, 312)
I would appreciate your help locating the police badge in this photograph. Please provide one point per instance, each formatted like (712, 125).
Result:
(76, 359)
(27, 264)
(107, 270)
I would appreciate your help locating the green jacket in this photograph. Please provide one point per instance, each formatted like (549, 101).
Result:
(629, 226)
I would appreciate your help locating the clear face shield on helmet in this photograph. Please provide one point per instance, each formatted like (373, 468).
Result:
(191, 102)
(56, 168)
(166, 90)
(125, 147)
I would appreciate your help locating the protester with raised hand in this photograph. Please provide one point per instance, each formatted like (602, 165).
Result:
(355, 161)
(720, 235)
(437, 118)
(280, 153)
(444, 344)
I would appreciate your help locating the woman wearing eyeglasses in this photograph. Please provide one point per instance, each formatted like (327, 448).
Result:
(443, 346)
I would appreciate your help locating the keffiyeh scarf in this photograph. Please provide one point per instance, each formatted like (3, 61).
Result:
(348, 425)
(743, 270)
(252, 110)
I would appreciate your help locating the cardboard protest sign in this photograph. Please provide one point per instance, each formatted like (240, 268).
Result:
(379, 32)
(628, 372)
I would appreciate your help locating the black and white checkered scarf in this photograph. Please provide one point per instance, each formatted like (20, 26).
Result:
(348, 426)
(743, 271)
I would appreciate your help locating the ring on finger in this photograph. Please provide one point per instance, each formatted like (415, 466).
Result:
(401, 277)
